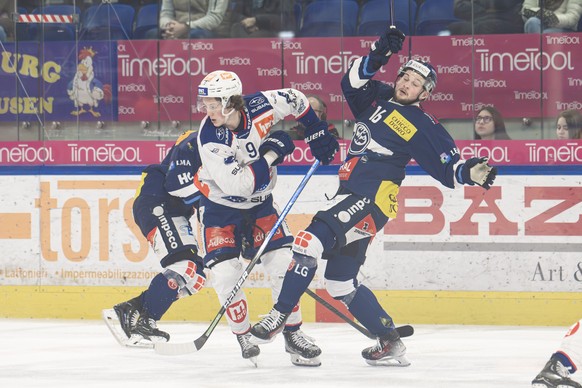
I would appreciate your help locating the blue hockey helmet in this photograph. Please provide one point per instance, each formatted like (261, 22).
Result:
(425, 69)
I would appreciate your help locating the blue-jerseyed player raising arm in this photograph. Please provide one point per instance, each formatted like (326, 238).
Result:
(391, 129)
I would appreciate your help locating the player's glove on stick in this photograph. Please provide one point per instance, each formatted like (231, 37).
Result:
(279, 142)
(476, 171)
(389, 43)
(321, 142)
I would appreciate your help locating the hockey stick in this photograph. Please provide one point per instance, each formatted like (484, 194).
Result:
(392, 25)
(174, 349)
(403, 331)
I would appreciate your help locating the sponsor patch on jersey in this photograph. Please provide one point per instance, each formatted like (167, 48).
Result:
(387, 198)
(265, 224)
(346, 169)
(220, 133)
(264, 123)
(445, 158)
(219, 237)
(360, 139)
(399, 124)
(256, 101)
(235, 199)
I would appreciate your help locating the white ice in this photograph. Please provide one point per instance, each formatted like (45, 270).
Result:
(83, 354)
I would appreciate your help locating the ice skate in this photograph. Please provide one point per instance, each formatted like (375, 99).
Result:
(301, 348)
(146, 331)
(554, 375)
(122, 319)
(389, 351)
(249, 351)
(128, 314)
(271, 325)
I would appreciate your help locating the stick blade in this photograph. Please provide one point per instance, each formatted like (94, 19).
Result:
(405, 330)
(175, 349)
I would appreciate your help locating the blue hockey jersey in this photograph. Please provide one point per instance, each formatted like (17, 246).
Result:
(174, 176)
(386, 136)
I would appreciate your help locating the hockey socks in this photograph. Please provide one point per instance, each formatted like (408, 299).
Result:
(299, 274)
(158, 298)
(365, 308)
(565, 360)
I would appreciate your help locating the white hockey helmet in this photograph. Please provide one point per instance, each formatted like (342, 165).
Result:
(425, 69)
(220, 84)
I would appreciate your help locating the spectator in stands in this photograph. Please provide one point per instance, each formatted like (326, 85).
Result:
(569, 125)
(6, 23)
(320, 108)
(489, 125)
(262, 18)
(554, 16)
(487, 17)
(183, 19)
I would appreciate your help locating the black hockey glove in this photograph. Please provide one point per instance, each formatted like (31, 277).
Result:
(280, 142)
(549, 18)
(389, 43)
(321, 142)
(476, 171)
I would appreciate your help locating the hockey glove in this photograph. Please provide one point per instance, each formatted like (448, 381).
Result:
(321, 142)
(549, 18)
(476, 171)
(389, 43)
(279, 142)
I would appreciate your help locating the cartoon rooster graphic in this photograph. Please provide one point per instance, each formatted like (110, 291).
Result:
(85, 90)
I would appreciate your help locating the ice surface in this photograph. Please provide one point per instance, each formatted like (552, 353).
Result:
(83, 354)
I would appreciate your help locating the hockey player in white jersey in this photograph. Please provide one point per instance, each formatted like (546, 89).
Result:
(565, 361)
(391, 129)
(239, 153)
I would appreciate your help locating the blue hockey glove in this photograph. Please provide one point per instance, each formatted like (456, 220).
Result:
(476, 171)
(389, 43)
(321, 142)
(280, 142)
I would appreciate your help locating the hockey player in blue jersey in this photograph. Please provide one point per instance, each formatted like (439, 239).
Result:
(391, 128)
(164, 203)
(240, 151)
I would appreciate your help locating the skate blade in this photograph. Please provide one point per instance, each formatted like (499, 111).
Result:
(296, 359)
(254, 361)
(400, 361)
(112, 321)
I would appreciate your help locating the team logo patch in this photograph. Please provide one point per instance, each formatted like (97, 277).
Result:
(399, 124)
(360, 139)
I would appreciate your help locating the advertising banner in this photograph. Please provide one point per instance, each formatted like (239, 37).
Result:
(522, 75)
(141, 153)
(58, 81)
(522, 235)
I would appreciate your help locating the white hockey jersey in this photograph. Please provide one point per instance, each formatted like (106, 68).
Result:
(233, 173)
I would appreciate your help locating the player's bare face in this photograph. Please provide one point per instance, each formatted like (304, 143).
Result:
(213, 109)
(408, 87)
